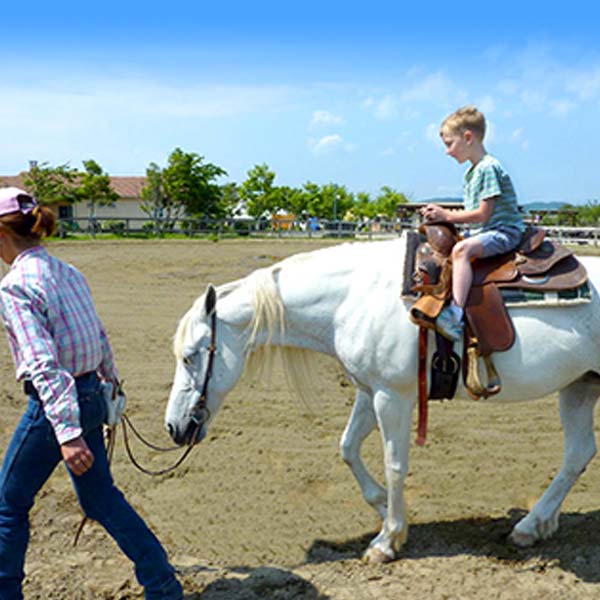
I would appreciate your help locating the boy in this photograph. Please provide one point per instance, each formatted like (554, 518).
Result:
(489, 200)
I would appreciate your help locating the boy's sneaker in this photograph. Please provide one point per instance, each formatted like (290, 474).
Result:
(448, 325)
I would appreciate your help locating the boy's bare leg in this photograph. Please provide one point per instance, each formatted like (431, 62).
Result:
(462, 271)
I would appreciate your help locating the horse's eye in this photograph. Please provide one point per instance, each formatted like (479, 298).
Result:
(188, 360)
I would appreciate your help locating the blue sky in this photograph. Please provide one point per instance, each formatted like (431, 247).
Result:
(350, 93)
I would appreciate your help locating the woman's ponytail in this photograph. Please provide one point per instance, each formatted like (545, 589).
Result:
(33, 225)
(45, 222)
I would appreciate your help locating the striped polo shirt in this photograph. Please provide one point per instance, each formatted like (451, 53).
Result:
(487, 179)
(54, 333)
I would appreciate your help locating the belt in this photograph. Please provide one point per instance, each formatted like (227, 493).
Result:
(29, 388)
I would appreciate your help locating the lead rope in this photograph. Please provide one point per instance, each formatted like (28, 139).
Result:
(110, 440)
(136, 464)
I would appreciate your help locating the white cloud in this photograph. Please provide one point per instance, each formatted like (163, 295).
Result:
(562, 107)
(386, 107)
(434, 88)
(586, 84)
(432, 133)
(324, 117)
(486, 105)
(86, 100)
(388, 152)
(383, 108)
(326, 144)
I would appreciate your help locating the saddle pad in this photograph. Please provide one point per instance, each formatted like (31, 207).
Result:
(533, 298)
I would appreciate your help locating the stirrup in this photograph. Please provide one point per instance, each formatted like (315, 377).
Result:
(473, 382)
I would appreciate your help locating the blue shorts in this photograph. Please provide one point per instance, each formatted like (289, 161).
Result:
(499, 241)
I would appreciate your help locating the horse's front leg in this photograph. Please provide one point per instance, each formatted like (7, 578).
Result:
(362, 421)
(577, 403)
(394, 419)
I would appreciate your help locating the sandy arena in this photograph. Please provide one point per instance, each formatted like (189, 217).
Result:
(265, 508)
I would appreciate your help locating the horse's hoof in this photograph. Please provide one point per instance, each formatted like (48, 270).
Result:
(374, 556)
(522, 540)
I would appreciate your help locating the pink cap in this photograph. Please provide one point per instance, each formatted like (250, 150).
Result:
(13, 200)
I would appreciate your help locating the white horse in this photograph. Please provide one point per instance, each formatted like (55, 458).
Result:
(345, 301)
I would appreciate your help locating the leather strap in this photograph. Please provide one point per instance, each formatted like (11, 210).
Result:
(422, 386)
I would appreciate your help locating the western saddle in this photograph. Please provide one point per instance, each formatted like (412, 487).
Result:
(537, 264)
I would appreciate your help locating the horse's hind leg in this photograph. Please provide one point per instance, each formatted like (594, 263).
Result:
(361, 423)
(577, 403)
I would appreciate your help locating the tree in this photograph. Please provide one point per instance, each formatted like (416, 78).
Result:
(189, 183)
(94, 188)
(387, 201)
(589, 214)
(230, 197)
(155, 201)
(363, 207)
(51, 185)
(257, 190)
(330, 201)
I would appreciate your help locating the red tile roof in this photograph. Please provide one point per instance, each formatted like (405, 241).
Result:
(126, 187)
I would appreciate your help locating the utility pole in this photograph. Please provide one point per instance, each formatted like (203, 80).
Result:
(335, 201)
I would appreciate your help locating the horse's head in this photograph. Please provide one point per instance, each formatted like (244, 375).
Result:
(202, 376)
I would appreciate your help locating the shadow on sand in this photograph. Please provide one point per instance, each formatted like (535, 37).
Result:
(575, 547)
(262, 583)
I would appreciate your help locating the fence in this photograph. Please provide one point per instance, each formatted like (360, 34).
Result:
(374, 229)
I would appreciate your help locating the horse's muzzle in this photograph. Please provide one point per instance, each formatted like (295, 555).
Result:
(192, 434)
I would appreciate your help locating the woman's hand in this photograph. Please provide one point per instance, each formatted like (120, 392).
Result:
(77, 455)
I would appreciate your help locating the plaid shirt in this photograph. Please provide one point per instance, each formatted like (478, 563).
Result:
(54, 333)
(487, 179)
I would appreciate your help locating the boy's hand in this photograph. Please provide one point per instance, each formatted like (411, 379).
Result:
(433, 212)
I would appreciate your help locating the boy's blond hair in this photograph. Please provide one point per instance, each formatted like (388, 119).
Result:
(467, 118)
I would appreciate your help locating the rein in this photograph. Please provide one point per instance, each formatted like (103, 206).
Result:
(198, 415)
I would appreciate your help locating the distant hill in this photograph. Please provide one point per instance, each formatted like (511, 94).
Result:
(443, 200)
(556, 205)
(527, 206)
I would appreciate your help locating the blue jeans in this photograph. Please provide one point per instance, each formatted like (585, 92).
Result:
(30, 458)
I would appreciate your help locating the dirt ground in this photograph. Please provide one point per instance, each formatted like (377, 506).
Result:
(265, 508)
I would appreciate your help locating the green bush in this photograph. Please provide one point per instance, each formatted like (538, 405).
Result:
(117, 227)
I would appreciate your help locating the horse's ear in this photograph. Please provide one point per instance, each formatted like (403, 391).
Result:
(210, 302)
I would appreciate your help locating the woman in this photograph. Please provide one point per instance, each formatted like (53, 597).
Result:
(61, 353)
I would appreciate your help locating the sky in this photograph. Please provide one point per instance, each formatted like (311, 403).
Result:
(330, 92)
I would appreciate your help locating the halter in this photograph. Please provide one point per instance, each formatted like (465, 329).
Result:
(200, 413)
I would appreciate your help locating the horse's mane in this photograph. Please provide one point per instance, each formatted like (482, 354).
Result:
(268, 315)
(299, 364)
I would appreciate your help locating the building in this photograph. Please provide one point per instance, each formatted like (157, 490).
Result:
(128, 206)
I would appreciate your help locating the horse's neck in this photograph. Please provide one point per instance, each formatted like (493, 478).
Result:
(315, 290)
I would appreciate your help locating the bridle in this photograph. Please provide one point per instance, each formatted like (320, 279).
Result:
(199, 413)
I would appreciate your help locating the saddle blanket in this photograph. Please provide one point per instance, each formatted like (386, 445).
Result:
(526, 298)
